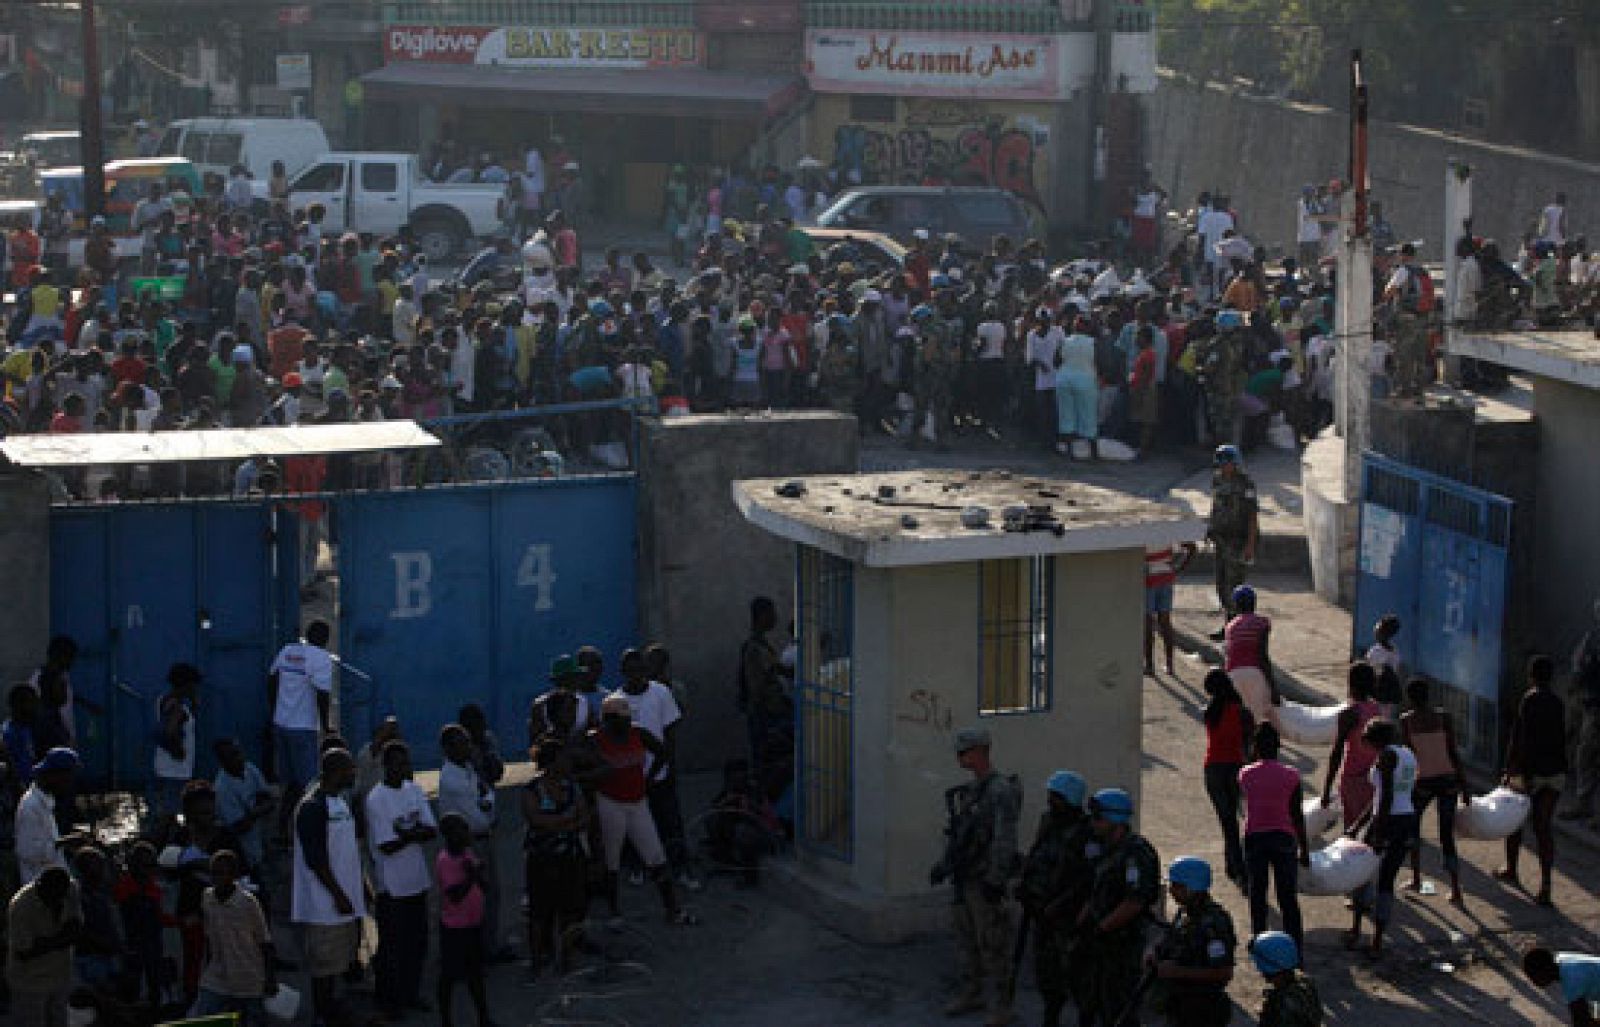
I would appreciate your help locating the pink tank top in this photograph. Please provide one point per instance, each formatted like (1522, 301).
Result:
(1358, 755)
(1242, 642)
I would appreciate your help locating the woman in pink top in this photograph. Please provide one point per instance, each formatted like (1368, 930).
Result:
(1352, 757)
(461, 880)
(1244, 655)
(1426, 731)
(1274, 832)
(777, 360)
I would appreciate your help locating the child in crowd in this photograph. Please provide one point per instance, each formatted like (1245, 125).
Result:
(461, 898)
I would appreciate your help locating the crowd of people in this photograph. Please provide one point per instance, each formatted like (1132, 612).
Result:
(344, 837)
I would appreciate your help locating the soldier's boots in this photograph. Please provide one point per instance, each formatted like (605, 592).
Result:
(970, 1000)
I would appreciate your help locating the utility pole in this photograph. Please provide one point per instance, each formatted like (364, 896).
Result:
(1353, 300)
(1105, 19)
(92, 142)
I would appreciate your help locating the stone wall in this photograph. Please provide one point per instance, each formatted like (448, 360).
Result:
(700, 563)
(1261, 151)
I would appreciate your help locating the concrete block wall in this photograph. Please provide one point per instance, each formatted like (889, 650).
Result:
(1261, 151)
(700, 563)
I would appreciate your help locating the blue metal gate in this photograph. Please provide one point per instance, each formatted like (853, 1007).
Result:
(466, 593)
(1435, 553)
(142, 586)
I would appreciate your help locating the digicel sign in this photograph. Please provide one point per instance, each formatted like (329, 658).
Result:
(451, 45)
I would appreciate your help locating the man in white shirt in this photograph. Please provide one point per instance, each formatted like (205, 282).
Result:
(655, 710)
(1553, 221)
(1308, 235)
(300, 689)
(1214, 221)
(399, 822)
(327, 897)
(39, 844)
(462, 791)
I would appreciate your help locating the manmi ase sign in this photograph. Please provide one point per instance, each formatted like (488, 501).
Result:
(543, 47)
(935, 64)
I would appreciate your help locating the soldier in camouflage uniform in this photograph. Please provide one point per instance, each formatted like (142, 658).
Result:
(1291, 998)
(1127, 883)
(1233, 527)
(839, 367)
(1194, 962)
(1054, 886)
(935, 376)
(1222, 367)
(980, 858)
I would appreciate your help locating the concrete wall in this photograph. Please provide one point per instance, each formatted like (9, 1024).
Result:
(700, 563)
(1330, 521)
(916, 661)
(1261, 152)
(25, 557)
(1567, 574)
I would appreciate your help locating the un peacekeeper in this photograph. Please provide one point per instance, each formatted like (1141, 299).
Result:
(1055, 879)
(1291, 998)
(980, 859)
(1233, 528)
(1194, 962)
(1127, 883)
(934, 382)
(1223, 368)
(1402, 294)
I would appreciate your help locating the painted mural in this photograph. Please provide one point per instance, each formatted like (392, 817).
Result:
(938, 143)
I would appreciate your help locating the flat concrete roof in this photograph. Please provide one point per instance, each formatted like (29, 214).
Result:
(1568, 356)
(913, 518)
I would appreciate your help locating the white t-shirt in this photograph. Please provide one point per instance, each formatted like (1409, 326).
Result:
(165, 764)
(36, 835)
(1380, 658)
(404, 873)
(1553, 224)
(1042, 350)
(303, 670)
(654, 710)
(460, 792)
(1145, 204)
(310, 900)
(1210, 228)
(992, 334)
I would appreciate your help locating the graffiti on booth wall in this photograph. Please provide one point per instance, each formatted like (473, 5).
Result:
(985, 153)
(925, 707)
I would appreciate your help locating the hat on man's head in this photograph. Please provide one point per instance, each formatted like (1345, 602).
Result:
(59, 758)
(971, 738)
(564, 666)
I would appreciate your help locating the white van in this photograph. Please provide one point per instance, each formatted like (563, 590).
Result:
(215, 145)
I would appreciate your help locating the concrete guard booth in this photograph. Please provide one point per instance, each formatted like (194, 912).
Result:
(911, 625)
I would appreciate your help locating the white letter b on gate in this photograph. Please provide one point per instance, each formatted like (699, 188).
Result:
(413, 572)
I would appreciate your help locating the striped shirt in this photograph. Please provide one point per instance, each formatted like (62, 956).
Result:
(1158, 567)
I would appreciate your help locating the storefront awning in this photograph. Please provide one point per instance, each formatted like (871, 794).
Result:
(675, 92)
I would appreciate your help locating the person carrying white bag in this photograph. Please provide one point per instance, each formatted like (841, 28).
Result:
(1391, 829)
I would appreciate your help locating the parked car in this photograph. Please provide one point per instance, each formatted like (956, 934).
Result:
(873, 247)
(974, 213)
(379, 192)
(215, 145)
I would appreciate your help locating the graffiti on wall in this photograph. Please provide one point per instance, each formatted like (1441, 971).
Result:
(926, 151)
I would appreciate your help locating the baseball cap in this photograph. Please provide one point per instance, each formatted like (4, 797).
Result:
(971, 738)
(59, 758)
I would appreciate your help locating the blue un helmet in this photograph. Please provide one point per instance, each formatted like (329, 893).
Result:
(1244, 599)
(1226, 454)
(921, 312)
(1112, 805)
(1069, 785)
(1192, 872)
(600, 309)
(1274, 952)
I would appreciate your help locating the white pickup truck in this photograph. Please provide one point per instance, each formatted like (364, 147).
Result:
(379, 192)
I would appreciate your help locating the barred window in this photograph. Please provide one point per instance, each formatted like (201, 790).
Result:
(824, 683)
(1015, 604)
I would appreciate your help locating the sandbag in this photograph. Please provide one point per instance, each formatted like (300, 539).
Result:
(1116, 449)
(1493, 816)
(1308, 725)
(1318, 820)
(1339, 869)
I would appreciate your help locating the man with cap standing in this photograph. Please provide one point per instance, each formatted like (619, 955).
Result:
(1054, 886)
(1410, 302)
(1194, 963)
(980, 857)
(39, 842)
(933, 382)
(1233, 528)
(1291, 998)
(1127, 883)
